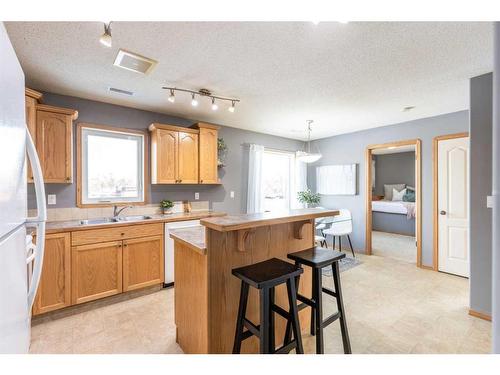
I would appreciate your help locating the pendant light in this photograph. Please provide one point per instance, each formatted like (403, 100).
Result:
(308, 156)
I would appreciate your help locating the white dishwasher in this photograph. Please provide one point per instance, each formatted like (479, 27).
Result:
(169, 247)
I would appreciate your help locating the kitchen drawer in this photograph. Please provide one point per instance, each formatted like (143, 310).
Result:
(111, 233)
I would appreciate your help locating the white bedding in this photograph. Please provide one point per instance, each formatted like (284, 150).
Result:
(394, 207)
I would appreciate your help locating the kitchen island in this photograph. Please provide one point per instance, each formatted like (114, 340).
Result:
(206, 293)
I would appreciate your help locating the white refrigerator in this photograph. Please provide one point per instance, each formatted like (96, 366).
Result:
(20, 260)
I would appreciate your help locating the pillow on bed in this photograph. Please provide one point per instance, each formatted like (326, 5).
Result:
(388, 190)
(397, 196)
(410, 195)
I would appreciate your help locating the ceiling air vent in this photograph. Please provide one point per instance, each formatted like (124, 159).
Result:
(134, 62)
(120, 91)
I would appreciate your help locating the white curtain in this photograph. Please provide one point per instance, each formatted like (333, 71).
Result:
(254, 192)
(298, 181)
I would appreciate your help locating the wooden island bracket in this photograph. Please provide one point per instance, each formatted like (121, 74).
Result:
(298, 228)
(243, 236)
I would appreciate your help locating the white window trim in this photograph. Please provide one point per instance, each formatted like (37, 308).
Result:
(84, 200)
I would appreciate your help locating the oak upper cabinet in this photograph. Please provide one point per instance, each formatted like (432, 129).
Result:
(208, 153)
(164, 149)
(188, 158)
(32, 98)
(174, 154)
(54, 291)
(142, 262)
(54, 142)
(96, 271)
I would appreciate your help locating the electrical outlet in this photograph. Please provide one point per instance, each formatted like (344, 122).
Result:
(51, 199)
(231, 194)
(489, 201)
(196, 196)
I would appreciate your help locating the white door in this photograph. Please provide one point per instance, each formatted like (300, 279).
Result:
(453, 213)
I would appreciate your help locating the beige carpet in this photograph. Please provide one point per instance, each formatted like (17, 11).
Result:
(394, 246)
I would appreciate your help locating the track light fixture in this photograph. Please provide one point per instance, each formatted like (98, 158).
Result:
(194, 102)
(171, 98)
(202, 93)
(215, 107)
(105, 38)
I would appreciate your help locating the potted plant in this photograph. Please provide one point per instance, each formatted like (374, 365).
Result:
(221, 152)
(308, 197)
(166, 206)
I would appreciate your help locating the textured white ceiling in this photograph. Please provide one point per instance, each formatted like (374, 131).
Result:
(346, 77)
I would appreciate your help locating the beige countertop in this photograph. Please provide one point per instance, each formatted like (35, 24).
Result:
(74, 225)
(236, 222)
(192, 237)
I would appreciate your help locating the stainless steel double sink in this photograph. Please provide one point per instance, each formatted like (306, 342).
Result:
(104, 220)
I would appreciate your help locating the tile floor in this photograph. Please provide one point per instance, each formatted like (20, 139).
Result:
(392, 307)
(394, 246)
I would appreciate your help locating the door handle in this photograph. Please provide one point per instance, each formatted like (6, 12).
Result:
(442, 212)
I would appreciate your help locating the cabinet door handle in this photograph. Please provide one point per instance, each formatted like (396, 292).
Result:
(68, 178)
(201, 181)
(125, 245)
(180, 180)
(119, 245)
(442, 212)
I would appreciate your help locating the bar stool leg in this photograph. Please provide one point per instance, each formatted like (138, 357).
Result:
(292, 301)
(340, 306)
(340, 243)
(314, 297)
(242, 309)
(333, 243)
(350, 244)
(288, 330)
(272, 340)
(318, 311)
(264, 321)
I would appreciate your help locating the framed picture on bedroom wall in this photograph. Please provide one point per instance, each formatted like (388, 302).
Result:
(337, 179)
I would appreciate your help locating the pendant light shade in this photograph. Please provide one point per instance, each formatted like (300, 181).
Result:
(308, 156)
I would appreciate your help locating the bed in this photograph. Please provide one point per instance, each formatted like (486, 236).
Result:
(393, 217)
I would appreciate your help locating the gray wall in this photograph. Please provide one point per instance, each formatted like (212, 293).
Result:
(496, 192)
(396, 168)
(350, 148)
(233, 176)
(481, 107)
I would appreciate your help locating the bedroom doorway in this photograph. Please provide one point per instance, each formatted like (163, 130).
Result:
(393, 200)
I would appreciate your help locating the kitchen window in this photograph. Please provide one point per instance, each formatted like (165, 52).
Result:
(112, 165)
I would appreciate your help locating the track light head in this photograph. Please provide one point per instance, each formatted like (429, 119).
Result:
(232, 108)
(194, 102)
(105, 38)
(171, 97)
(215, 107)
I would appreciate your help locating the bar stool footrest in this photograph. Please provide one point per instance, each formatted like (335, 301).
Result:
(329, 292)
(252, 328)
(285, 349)
(330, 319)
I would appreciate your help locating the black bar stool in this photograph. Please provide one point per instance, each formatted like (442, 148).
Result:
(318, 258)
(265, 276)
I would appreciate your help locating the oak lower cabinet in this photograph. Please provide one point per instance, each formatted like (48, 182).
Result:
(96, 271)
(54, 290)
(142, 262)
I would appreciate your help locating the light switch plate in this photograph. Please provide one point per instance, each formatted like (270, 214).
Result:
(489, 201)
(196, 196)
(51, 199)
(231, 194)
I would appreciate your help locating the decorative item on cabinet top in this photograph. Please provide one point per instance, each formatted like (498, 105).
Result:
(184, 155)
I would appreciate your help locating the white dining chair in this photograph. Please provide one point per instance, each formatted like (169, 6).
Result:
(341, 225)
(321, 239)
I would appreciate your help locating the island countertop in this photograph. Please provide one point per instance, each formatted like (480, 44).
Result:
(236, 222)
(192, 237)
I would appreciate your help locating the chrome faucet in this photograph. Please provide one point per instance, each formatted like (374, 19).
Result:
(117, 211)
